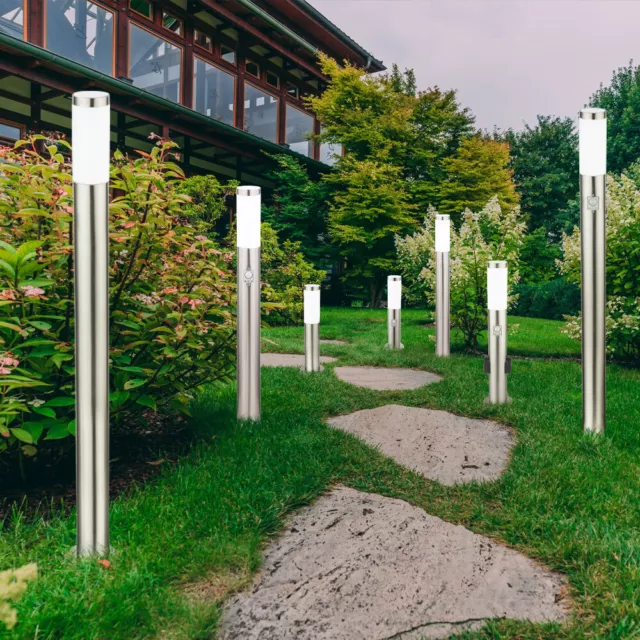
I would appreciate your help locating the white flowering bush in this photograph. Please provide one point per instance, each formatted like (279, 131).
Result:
(491, 234)
(623, 269)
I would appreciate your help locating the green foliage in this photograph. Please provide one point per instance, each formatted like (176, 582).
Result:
(371, 206)
(13, 584)
(621, 99)
(170, 295)
(492, 234)
(438, 127)
(552, 299)
(478, 171)
(206, 202)
(623, 268)
(299, 212)
(538, 257)
(544, 159)
(285, 272)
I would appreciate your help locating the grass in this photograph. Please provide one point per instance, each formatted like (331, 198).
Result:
(569, 501)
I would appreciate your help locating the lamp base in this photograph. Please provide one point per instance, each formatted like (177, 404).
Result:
(487, 400)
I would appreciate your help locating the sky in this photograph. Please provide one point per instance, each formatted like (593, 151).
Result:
(509, 59)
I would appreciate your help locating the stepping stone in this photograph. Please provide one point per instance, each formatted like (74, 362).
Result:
(439, 445)
(358, 566)
(386, 379)
(333, 342)
(287, 360)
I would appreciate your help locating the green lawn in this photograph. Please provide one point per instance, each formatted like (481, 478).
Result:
(183, 541)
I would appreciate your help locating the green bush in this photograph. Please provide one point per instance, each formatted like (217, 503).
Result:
(284, 274)
(551, 300)
(171, 294)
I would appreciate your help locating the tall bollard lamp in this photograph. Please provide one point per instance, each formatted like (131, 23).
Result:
(394, 306)
(90, 131)
(593, 169)
(497, 365)
(312, 328)
(443, 322)
(249, 202)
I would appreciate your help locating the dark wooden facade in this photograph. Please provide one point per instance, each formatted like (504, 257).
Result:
(224, 78)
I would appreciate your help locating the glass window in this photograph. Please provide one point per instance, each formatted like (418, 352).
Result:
(202, 40)
(12, 18)
(260, 113)
(142, 7)
(252, 68)
(81, 31)
(330, 152)
(154, 64)
(299, 129)
(213, 91)
(273, 79)
(292, 90)
(228, 55)
(10, 131)
(171, 23)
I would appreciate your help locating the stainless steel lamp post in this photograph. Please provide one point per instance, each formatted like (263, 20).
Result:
(90, 166)
(593, 169)
(312, 328)
(394, 305)
(248, 215)
(443, 322)
(497, 365)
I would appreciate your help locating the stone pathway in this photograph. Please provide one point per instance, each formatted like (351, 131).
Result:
(383, 379)
(287, 360)
(357, 566)
(439, 445)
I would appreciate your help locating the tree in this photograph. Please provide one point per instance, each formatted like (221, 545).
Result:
(622, 101)
(544, 159)
(403, 82)
(439, 125)
(300, 209)
(371, 205)
(478, 171)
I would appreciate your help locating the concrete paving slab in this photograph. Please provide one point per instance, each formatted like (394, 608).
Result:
(287, 360)
(357, 566)
(441, 446)
(383, 379)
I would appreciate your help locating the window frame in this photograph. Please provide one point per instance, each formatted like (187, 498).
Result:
(250, 61)
(133, 23)
(137, 13)
(102, 5)
(235, 88)
(244, 112)
(18, 125)
(311, 141)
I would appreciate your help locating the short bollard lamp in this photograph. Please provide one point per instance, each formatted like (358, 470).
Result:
(91, 132)
(593, 169)
(312, 328)
(394, 306)
(497, 365)
(443, 322)
(248, 201)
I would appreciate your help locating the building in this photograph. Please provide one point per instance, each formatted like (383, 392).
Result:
(224, 78)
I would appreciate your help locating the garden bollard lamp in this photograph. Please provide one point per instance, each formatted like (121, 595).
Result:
(249, 202)
(593, 169)
(91, 131)
(312, 328)
(394, 305)
(443, 245)
(497, 365)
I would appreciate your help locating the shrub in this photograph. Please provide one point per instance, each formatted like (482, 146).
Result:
(551, 300)
(284, 274)
(13, 583)
(623, 269)
(170, 296)
(492, 234)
